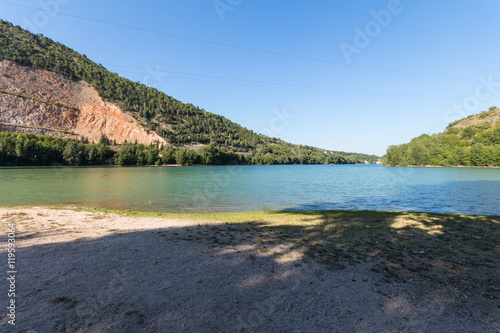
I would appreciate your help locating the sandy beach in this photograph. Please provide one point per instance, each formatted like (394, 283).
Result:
(95, 271)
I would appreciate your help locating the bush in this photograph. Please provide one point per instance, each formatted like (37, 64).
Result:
(185, 156)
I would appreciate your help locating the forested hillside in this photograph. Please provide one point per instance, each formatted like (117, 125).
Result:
(472, 141)
(24, 149)
(177, 122)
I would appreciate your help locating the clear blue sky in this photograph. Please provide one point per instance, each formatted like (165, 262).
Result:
(250, 59)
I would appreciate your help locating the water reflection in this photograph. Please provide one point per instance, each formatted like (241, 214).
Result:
(246, 188)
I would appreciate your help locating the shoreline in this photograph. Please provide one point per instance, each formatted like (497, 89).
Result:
(162, 165)
(238, 165)
(444, 166)
(255, 271)
(215, 215)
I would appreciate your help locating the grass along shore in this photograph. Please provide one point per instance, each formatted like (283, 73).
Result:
(451, 261)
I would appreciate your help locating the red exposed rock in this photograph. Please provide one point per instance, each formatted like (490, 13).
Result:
(84, 112)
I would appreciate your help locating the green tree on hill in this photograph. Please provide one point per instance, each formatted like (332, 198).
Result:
(475, 145)
(186, 156)
(178, 123)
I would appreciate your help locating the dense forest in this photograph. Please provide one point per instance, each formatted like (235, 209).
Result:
(179, 123)
(472, 141)
(18, 149)
(30, 149)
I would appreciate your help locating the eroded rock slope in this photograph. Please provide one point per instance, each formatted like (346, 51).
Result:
(40, 101)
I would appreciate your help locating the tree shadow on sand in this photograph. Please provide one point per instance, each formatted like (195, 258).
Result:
(450, 249)
(331, 271)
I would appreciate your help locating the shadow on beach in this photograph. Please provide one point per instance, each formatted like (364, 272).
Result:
(332, 271)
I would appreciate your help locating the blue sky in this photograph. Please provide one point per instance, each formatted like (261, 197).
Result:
(342, 75)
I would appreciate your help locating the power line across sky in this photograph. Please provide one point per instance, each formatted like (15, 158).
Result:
(414, 73)
(244, 48)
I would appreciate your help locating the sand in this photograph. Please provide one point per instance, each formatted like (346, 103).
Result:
(87, 271)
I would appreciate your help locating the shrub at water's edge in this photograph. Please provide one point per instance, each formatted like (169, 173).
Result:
(472, 141)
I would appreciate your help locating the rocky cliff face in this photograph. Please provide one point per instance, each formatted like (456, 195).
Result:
(39, 101)
(492, 116)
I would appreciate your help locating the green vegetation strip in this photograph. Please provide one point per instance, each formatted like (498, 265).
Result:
(28, 149)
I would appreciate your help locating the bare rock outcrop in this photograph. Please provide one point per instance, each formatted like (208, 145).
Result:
(47, 102)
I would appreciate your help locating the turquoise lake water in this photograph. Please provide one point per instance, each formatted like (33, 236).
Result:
(253, 188)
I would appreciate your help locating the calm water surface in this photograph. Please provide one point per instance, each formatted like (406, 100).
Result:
(252, 188)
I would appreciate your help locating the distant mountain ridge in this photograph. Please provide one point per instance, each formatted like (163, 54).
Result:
(122, 109)
(471, 141)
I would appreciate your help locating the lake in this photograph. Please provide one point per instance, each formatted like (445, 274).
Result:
(254, 188)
